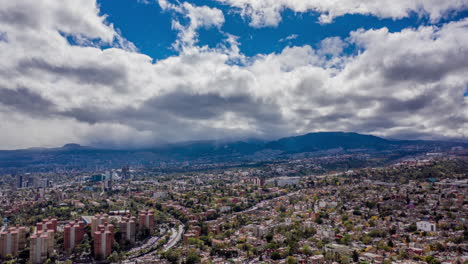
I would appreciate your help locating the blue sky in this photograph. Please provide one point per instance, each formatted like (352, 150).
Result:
(145, 72)
(149, 27)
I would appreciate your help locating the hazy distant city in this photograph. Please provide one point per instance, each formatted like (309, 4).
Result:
(374, 202)
(233, 132)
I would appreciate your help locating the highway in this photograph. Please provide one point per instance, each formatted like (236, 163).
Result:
(175, 237)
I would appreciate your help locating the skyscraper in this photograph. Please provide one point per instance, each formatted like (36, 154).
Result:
(19, 181)
(126, 173)
(107, 180)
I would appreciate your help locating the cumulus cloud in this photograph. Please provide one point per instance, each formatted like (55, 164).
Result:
(199, 17)
(332, 46)
(403, 84)
(268, 12)
(79, 17)
(24, 100)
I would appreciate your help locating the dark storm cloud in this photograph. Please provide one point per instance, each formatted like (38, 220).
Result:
(332, 118)
(372, 123)
(196, 106)
(452, 120)
(426, 67)
(83, 74)
(90, 115)
(25, 100)
(181, 105)
(19, 17)
(3, 36)
(411, 133)
(390, 105)
(179, 116)
(318, 96)
(176, 117)
(211, 105)
(351, 101)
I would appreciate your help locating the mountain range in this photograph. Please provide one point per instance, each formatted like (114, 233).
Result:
(74, 155)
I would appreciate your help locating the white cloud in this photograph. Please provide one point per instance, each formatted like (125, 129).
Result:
(268, 12)
(199, 16)
(332, 46)
(408, 83)
(290, 37)
(77, 17)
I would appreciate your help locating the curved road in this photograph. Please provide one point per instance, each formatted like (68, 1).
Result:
(176, 236)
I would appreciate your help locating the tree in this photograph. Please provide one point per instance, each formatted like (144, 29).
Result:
(366, 239)
(173, 256)
(83, 247)
(432, 260)
(24, 254)
(114, 257)
(306, 250)
(407, 238)
(346, 239)
(319, 220)
(344, 260)
(275, 255)
(269, 237)
(143, 233)
(412, 228)
(192, 257)
(355, 256)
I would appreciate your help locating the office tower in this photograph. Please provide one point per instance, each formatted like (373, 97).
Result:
(19, 181)
(30, 182)
(45, 183)
(128, 228)
(146, 219)
(73, 234)
(98, 219)
(107, 180)
(103, 241)
(126, 173)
